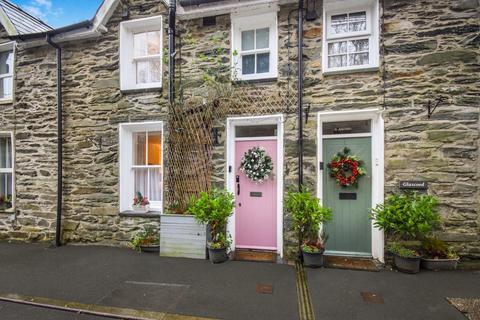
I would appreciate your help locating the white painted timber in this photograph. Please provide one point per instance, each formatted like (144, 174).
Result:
(182, 236)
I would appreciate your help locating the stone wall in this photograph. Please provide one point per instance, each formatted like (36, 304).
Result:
(94, 106)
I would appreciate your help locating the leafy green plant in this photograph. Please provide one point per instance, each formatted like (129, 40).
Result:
(148, 236)
(307, 214)
(222, 241)
(435, 248)
(407, 216)
(402, 251)
(213, 208)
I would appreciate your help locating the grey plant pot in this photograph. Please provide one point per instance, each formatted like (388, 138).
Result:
(312, 259)
(439, 264)
(150, 248)
(407, 265)
(217, 255)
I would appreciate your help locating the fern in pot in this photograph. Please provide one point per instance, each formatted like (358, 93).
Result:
(308, 216)
(213, 208)
(406, 217)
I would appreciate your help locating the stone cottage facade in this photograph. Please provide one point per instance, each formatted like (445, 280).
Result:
(371, 68)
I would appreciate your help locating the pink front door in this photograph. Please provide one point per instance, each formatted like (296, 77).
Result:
(256, 203)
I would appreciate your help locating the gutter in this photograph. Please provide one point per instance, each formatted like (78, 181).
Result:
(300, 94)
(87, 24)
(172, 11)
(58, 230)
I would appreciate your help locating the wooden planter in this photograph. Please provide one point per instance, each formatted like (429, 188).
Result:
(182, 236)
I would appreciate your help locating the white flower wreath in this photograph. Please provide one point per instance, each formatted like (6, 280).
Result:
(256, 164)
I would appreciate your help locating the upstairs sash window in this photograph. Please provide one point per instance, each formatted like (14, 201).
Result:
(6, 172)
(6, 71)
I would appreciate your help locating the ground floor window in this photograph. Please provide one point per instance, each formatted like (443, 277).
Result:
(6, 171)
(141, 164)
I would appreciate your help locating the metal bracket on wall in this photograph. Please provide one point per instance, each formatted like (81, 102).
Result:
(431, 108)
(307, 112)
(97, 142)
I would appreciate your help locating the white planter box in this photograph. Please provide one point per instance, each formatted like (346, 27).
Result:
(182, 236)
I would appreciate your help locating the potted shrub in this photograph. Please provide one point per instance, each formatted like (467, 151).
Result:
(437, 255)
(213, 209)
(406, 260)
(147, 240)
(140, 203)
(406, 217)
(308, 215)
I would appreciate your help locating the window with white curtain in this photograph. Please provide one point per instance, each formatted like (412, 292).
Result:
(6, 172)
(141, 164)
(350, 36)
(6, 71)
(141, 53)
(254, 50)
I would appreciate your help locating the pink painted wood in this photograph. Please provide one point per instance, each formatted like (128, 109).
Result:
(256, 217)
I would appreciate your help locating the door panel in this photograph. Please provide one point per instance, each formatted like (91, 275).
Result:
(256, 203)
(350, 229)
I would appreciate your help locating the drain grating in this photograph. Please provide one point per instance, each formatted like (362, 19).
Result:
(264, 288)
(371, 297)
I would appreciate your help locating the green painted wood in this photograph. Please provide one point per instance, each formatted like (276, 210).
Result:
(350, 230)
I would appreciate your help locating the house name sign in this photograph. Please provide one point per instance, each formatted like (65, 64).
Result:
(414, 185)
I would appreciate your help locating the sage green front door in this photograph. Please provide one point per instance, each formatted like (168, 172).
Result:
(350, 231)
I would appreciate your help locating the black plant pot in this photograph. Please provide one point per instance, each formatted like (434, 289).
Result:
(439, 264)
(312, 259)
(407, 265)
(217, 255)
(150, 248)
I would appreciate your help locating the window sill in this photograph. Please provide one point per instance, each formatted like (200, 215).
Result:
(141, 90)
(7, 211)
(133, 214)
(6, 101)
(260, 81)
(359, 70)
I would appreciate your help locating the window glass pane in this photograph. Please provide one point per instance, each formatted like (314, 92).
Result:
(248, 64)
(153, 42)
(248, 40)
(263, 62)
(337, 47)
(139, 147)
(337, 61)
(140, 44)
(142, 72)
(6, 88)
(5, 152)
(154, 148)
(357, 21)
(6, 62)
(256, 131)
(6, 190)
(155, 184)
(346, 127)
(357, 59)
(358, 45)
(339, 24)
(148, 71)
(262, 38)
(140, 181)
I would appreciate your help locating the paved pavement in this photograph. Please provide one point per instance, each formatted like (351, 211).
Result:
(336, 294)
(124, 278)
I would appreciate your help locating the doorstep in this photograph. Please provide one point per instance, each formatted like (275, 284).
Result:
(352, 263)
(255, 255)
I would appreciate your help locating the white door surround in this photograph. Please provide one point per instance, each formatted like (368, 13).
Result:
(234, 122)
(377, 134)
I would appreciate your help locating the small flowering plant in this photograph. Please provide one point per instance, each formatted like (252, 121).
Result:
(256, 164)
(346, 168)
(141, 202)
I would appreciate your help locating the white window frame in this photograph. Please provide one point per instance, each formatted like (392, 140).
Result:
(128, 70)
(127, 192)
(253, 22)
(9, 46)
(371, 33)
(12, 169)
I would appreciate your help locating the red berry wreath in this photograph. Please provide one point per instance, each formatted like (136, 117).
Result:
(346, 168)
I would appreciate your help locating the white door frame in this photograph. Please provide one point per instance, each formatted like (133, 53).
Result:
(375, 115)
(230, 163)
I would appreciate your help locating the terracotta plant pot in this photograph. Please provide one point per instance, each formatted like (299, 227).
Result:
(217, 255)
(312, 259)
(439, 264)
(407, 265)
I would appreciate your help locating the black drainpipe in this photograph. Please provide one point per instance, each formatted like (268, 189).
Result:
(58, 231)
(300, 94)
(172, 10)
